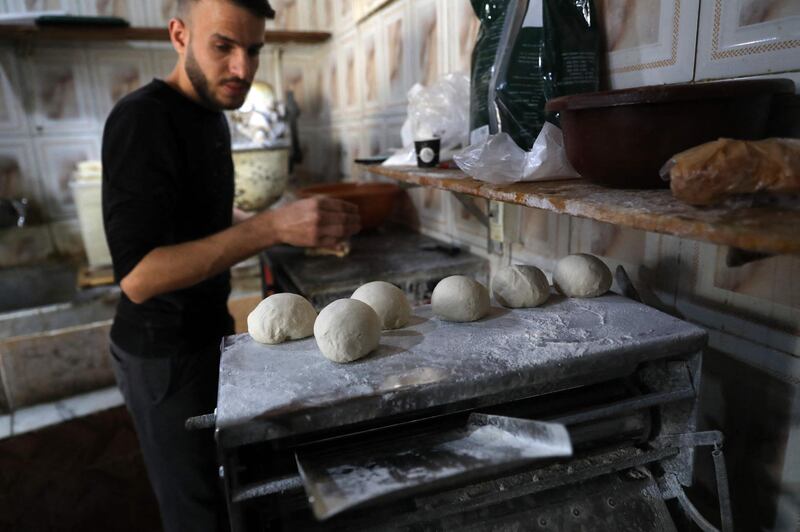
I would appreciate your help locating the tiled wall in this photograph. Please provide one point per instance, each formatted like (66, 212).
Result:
(352, 96)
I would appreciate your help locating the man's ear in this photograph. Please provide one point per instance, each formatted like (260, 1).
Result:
(179, 35)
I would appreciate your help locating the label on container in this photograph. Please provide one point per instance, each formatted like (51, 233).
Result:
(534, 17)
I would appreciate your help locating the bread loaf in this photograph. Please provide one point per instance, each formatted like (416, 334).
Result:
(711, 172)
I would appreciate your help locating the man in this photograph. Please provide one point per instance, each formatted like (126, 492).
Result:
(167, 206)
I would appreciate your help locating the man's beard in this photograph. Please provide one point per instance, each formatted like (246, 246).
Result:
(202, 87)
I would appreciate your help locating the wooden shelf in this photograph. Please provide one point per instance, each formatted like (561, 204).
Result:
(95, 33)
(762, 229)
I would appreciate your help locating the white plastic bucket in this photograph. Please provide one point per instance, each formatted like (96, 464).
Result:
(88, 200)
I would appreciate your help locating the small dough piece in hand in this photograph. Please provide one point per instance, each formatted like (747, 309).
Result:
(347, 330)
(520, 286)
(281, 317)
(388, 301)
(459, 298)
(582, 275)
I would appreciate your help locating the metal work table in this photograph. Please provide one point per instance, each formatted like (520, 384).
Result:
(267, 392)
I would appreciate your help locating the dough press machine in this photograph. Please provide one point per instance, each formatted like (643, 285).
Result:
(577, 415)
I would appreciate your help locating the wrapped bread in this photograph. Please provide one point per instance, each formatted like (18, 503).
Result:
(714, 171)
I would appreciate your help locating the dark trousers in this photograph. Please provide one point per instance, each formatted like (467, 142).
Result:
(161, 393)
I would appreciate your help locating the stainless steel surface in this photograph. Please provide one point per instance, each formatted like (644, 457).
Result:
(268, 392)
(412, 261)
(55, 351)
(344, 477)
(37, 285)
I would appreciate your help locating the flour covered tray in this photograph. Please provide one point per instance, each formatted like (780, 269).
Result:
(273, 391)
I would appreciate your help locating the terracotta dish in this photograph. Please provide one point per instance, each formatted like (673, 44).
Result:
(622, 138)
(375, 201)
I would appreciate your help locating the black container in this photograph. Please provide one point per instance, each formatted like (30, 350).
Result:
(427, 152)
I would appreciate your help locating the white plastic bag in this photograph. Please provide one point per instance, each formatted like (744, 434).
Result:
(497, 158)
(439, 111)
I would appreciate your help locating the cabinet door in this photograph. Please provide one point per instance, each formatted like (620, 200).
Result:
(748, 37)
(649, 42)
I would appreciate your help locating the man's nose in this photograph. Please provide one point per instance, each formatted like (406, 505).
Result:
(241, 66)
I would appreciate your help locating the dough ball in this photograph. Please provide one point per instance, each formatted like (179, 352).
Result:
(459, 298)
(520, 286)
(347, 330)
(582, 275)
(281, 317)
(388, 301)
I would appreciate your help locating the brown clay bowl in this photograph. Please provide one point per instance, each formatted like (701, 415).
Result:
(622, 138)
(375, 201)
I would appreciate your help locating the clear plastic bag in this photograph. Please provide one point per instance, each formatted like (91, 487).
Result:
(498, 159)
(439, 111)
(715, 171)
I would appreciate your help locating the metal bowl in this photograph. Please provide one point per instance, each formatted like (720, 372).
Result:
(260, 177)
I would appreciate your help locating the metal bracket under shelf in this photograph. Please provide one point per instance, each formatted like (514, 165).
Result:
(737, 257)
(466, 201)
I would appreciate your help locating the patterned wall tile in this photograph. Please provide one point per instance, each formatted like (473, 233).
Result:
(344, 16)
(58, 157)
(745, 302)
(315, 81)
(70, 6)
(159, 12)
(115, 74)
(19, 175)
(542, 238)
(395, 30)
(287, 14)
(350, 83)
(649, 41)
(369, 66)
(328, 152)
(462, 34)
(432, 208)
(748, 37)
(12, 112)
(61, 89)
(466, 228)
(352, 148)
(373, 140)
(163, 62)
(332, 86)
(323, 13)
(425, 42)
(775, 279)
(133, 12)
(394, 140)
(294, 79)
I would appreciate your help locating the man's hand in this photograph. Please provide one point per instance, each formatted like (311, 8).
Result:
(315, 222)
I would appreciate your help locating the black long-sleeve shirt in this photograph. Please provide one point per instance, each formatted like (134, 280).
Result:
(167, 179)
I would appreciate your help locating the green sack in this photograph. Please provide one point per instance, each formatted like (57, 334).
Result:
(527, 52)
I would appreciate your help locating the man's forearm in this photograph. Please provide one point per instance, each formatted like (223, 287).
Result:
(169, 268)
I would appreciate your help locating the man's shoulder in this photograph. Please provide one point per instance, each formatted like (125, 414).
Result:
(149, 102)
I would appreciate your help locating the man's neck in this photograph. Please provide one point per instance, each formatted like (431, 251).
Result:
(178, 80)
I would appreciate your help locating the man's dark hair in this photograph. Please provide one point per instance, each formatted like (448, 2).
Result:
(259, 8)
